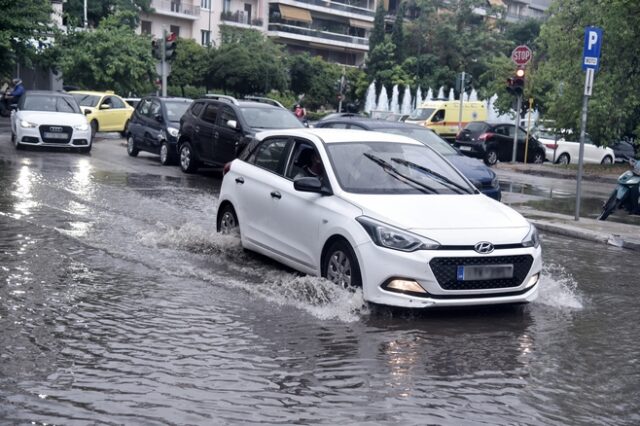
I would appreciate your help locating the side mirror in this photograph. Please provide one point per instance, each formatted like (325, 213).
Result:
(233, 124)
(311, 184)
(105, 106)
(86, 111)
(159, 118)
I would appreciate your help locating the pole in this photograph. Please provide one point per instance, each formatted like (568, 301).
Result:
(85, 14)
(163, 67)
(515, 133)
(526, 141)
(588, 84)
(461, 101)
(341, 90)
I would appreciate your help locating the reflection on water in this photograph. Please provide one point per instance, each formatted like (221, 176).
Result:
(119, 304)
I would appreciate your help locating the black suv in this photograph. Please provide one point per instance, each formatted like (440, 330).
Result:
(215, 129)
(154, 127)
(493, 142)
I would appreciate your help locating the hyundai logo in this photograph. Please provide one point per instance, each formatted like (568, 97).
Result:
(483, 247)
(55, 129)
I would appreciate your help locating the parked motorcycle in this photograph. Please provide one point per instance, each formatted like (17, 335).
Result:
(626, 193)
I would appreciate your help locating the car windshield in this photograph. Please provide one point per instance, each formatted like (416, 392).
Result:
(270, 118)
(545, 134)
(425, 136)
(50, 103)
(176, 109)
(421, 113)
(86, 100)
(393, 168)
(476, 128)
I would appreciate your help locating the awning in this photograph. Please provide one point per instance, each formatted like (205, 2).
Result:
(495, 3)
(291, 13)
(361, 24)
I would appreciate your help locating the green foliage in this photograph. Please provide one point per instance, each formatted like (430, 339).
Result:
(23, 25)
(397, 36)
(97, 10)
(190, 65)
(377, 33)
(112, 57)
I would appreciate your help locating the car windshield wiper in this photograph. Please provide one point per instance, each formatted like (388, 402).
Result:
(399, 176)
(442, 179)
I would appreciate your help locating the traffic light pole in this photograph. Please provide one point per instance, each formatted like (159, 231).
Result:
(461, 101)
(515, 133)
(163, 66)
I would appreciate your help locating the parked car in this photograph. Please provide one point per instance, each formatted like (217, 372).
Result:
(215, 129)
(49, 118)
(385, 213)
(493, 142)
(154, 127)
(108, 112)
(480, 175)
(623, 151)
(133, 102)
(561, 151)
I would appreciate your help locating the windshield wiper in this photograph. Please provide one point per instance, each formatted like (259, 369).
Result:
(443, 179)
(399, 176)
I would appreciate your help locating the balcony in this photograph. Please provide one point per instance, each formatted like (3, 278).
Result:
(185, 9)
(316, 36)
(360, 7)
(241, 18)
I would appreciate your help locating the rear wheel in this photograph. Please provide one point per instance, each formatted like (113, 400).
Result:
(227, 220)
(607, 160)
(538, 157)
(564, 159)
(94, 128)
(491, 157)
(340, 265)
(610, 206)
(131, 147)
(188, 162)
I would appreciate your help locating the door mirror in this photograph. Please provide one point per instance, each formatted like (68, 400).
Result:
(311, 184)
(86, 111)
(105, 106)
(159, 118)
(233, 124)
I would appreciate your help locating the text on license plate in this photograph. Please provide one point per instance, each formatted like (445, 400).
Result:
(484, 272)
(50, 135)
(465, 148)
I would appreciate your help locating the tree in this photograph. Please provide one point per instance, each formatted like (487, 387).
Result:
(378, 31)
(301, 73)
(112, 57)
(97, 10)
(190, 65)
(397, 36)
(24, 25)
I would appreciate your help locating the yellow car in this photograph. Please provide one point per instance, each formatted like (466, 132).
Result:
(105, 111)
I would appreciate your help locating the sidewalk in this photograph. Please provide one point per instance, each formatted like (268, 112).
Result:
(594, 173)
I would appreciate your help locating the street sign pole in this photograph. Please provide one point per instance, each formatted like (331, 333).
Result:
(515, 133)
(461, 100)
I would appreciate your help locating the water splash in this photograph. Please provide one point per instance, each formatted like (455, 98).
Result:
(383, 100)
(395, 102)
(473, 95)
(558, 288)
(406, 101)
(429, 95)
(418, 100)
(370, 100)
(452, 94)
(441, 93)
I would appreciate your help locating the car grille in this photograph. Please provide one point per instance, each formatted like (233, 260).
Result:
(445, 270)
(49, 130)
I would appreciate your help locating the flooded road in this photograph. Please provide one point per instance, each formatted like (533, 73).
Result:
(119, 304)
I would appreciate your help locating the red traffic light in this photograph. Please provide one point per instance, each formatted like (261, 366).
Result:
(520, 72)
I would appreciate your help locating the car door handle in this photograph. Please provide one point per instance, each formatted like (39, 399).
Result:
(239, 180)
(197, 129)
(276, 194)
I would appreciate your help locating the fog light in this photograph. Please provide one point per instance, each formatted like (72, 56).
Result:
(533, 280)
(405, 285)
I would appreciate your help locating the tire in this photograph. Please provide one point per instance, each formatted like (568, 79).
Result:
(94, 129)
(564, 159)
(188, 162)
(607, 160)
(340, 265)
(610, 206)
(131, 147)
(491, 157)
(538, 157)
(166, 157)
(124, 131)
(227, 220)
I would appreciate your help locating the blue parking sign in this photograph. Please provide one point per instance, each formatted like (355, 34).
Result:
(592, 44)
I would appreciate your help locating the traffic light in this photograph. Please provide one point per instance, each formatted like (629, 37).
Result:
(156, 48)
(515, 84)
(170, 46)
(463, 85)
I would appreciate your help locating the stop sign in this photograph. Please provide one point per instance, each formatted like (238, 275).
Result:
(521, 55)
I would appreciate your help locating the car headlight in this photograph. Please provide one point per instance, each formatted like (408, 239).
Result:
(173, 131)
(532, 239)
(82, 127)
(27, 124)
(388, 236)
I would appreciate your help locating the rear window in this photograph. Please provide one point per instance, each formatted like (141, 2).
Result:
(421, 113)
(476, 127)
(175, 109)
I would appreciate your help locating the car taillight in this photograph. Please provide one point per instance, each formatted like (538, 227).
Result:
(483, 137)
(551, 145)
(226, 168)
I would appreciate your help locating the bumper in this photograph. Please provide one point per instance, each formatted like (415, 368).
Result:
(471, 150)
(378, 266)
(34, 137)
(494, 193)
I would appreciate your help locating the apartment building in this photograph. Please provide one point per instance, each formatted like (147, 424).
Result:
(519, 10)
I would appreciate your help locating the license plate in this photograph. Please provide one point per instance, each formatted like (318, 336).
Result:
(465, 148)
(50, 135)
(484, 272)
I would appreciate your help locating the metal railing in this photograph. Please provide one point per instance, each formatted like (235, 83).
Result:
(355, 6)
(318, 34)
(183, 7)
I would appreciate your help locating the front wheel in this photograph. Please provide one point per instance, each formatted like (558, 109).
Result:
(125, 131)
(610, 206)
(491, 157)
(340, 265)
(131, 147)
(166, 157)
(607, 160)
(94, 129)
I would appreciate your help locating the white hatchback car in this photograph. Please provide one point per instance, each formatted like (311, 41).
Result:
(380, 211)
(561, 151)
(48, 118)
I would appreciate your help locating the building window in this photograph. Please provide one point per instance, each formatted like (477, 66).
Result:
(205, 4)
(226, 5)
(175, 29)
(205, 37)
(145, 27)
(176, 6)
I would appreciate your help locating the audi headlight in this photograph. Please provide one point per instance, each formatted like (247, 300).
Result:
(82, 127)
(173, 131)
(532, 239)
(388, 236)
(27, 124)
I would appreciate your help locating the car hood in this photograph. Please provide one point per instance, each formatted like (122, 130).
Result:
(51, 117)
(448, 219)
(472, 168)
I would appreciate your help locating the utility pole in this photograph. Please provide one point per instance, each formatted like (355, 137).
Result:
(515, 133)
(85, 14)
(163, 64)
(461, 91)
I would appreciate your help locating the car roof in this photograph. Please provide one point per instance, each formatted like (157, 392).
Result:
(331, 136)
(162, 99)
(46, 93)
(239, 103)
(92, 92)
(372, 124)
